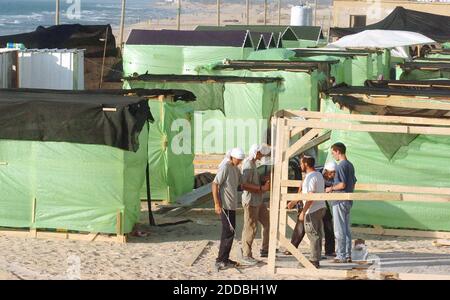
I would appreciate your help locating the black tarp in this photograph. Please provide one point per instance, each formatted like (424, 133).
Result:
(384, 90)
(436, 27)
(104, 117)
(238, 38)
(410, 84)
(68, 36)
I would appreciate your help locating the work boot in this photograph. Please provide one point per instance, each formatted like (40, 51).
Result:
(231, 263)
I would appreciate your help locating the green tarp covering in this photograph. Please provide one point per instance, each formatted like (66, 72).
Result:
(170, 150)
(76, 186)
(425, 161)
(162, 59)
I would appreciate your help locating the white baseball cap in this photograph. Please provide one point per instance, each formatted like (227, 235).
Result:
(330, 166)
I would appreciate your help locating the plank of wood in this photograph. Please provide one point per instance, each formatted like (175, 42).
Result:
(313, 143)
(441, 243)
(369, 196)
(373, 118)
(301, 142)
(296, 253)
(190, 198)
(196, 253)
(291, 183)
(402, 188)
(403, 232)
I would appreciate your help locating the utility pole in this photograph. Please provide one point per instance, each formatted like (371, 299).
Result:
(279, 12)
(247, 6)
(315, 12)
(57, 13)
(265, 12)
(218, 12)
(122, 24)
(179, 15)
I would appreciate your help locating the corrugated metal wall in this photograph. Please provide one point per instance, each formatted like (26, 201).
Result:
(51, 69)
(7, 68)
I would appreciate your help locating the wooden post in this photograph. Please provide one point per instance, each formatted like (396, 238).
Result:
(57, 13)
(265, 12)
(275, 195)
(179, 15)
(33, 231)
(119, 227)
(122, 24)
(284, 176)
(104, 56)
(279, 12)
(218, 12)
(247, 6)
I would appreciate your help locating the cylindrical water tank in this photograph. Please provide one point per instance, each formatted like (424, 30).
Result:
(301, 16)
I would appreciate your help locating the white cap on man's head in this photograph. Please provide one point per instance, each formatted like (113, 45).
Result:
(330, 166)
(237, 153)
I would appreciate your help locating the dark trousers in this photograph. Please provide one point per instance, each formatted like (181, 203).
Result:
(227, 237)
(328, 229)
(299, 232)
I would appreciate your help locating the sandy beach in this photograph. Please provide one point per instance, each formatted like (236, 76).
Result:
(165, 253)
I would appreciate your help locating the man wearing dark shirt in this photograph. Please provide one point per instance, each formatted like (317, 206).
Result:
(344, 182)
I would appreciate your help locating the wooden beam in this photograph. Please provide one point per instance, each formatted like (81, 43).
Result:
(402, 188)
(403, 232)
(291, 183)
(301, 142)
(367, 197)
(314, 142)
(372, 127)
(371, 118)
(399, 101)
(441, 243)
(296, 253)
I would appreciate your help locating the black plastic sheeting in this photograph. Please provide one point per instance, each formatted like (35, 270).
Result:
(101, 117)
(436, 65)
(202, 78)
(238, 38)
(69, 36)
(436, 27)
(410, 84)
(385, 90)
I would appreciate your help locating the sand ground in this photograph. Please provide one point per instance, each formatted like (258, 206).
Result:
(164, 253)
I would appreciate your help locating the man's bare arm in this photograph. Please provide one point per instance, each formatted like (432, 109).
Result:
(215, 194)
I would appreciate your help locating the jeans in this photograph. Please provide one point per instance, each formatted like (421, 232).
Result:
(342, 229)
(253, 215)
(227, 237)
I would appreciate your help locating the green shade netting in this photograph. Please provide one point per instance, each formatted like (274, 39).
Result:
(337, 70)
(425, 161)
(209, 95)
(298, 89)
(170, 150)
(76, 186)
(421, 74)
(438, 55)
(248, 107)
(160, 59)
(446, 45)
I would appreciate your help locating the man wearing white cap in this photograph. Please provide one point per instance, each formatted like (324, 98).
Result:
(225, 194)
(255, 210)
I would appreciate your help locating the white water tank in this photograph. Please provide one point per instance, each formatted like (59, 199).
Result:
(301, 15)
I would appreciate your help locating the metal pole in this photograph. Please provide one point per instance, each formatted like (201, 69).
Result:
(57, 13)
(151, 220)
(279, 12)
(179, 15)
(315, 12)
(218, 12)
(265, 12)
(104, 56)
(122, 24)
(247, 6)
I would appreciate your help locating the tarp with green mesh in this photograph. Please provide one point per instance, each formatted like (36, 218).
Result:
(166, 59)
(422, 74)
(76, 186)
(247, 110)
(170, 150)
(420, 161)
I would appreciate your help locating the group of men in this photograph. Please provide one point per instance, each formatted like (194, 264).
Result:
(314, 217)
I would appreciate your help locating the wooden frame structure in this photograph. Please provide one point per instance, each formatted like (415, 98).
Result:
(288, 124)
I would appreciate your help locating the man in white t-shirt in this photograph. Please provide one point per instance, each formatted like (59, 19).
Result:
(313, 211)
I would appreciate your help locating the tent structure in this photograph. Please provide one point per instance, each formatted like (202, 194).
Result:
(386, 158)
(180, 52)
(230, 111)
(423, 70)
(285, 36)
(377, 38)
(72, 160)
(67, 36)
(302, 81)
(436, 27)
(356, 65)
